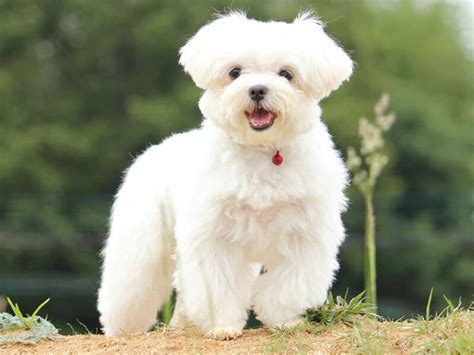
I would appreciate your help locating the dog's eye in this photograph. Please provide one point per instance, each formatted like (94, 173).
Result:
(286, 74)
(235, 73)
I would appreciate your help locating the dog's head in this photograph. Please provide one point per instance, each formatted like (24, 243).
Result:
(263, 80)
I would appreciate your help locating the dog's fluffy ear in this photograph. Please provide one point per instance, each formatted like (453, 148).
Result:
(327, 64)
(200, 58)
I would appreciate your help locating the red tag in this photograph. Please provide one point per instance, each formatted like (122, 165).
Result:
(277, 158)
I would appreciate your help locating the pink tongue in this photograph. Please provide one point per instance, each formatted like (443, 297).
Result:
(260, 117)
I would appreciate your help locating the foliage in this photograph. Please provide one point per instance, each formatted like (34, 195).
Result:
(331, 314)
(366, 167)
(340, 310)
(322, 319)
(26, 322)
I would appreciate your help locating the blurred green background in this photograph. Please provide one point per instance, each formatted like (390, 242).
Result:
(87, 85)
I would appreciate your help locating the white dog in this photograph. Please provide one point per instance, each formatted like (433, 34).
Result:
(259, 184)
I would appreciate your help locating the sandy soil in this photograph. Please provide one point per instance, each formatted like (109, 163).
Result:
(188, 341)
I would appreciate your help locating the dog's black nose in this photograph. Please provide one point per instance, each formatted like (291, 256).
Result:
(258, 92)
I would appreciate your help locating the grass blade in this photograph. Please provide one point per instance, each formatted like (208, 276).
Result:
(39, 308)
(428, 306)
(16, 310)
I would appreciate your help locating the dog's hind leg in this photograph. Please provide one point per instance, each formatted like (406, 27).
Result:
(137, 266)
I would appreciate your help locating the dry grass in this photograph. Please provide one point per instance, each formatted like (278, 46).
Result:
(443, 334)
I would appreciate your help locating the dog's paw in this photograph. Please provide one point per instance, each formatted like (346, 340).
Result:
(224, 333)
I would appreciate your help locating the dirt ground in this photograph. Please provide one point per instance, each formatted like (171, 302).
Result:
(188, 341)
(452, 334)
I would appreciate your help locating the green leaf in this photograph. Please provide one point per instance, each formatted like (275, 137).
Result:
(39, 308)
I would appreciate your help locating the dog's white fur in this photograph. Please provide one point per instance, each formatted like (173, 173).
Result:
(204, 210)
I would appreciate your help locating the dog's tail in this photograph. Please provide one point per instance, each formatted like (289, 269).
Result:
(138, 266)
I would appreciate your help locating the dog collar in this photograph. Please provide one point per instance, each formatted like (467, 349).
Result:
(277, 159)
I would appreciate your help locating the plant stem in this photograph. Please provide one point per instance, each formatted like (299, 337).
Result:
(369, 253)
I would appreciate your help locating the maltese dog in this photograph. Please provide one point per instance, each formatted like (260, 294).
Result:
(244, 212)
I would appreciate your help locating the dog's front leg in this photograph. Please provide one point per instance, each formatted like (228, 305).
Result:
(296, 282)
(213, 281)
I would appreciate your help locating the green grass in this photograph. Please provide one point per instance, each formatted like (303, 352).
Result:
(340, 310)
(28, 321)
(20, 328)
(351, 326)
(334, 311)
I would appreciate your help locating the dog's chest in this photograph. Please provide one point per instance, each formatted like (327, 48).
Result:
(264, 231)
(266, 212)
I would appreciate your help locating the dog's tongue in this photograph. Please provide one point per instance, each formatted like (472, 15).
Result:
(260, 117)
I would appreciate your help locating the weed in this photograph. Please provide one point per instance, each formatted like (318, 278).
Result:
(366, 166)
(428, 306)
(430, 323)
(84, 326)
(451, 308)
(340, 310)
(28, 321)
(25, 329)
(316, 321)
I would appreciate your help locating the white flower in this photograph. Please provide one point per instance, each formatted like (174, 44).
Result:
(376, 163)
(386, 121)
(382, 105)
(371, 136)
(367, 166)
(353, 160)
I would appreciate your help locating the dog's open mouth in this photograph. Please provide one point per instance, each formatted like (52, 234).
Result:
(260, 119)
